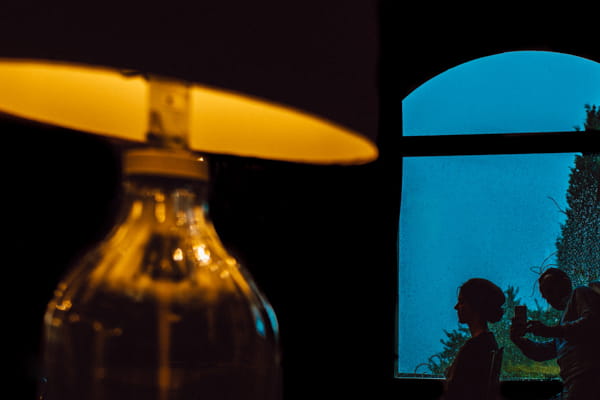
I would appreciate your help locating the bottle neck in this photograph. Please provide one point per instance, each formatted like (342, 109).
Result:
(165, 186)
(165, 202)
(165, 238)
(164, 243)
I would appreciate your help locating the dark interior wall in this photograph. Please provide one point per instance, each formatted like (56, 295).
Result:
(320, 241)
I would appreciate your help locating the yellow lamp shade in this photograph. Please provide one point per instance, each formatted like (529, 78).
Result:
(107, 102)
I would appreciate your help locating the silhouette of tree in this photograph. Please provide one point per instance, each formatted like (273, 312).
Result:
(592, 122)
(578, 246)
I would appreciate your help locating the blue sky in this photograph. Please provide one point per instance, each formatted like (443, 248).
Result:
(508, 92)
(484, 216)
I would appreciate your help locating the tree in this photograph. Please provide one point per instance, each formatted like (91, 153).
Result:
(592, 122)
(578, 246)
(515, 364)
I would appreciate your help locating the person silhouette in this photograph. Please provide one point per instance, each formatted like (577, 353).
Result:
(575, 339)
(468, 377)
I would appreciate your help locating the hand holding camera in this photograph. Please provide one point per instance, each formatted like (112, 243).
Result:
(518, 327)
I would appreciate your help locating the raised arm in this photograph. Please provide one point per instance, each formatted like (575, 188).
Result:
(537, 351)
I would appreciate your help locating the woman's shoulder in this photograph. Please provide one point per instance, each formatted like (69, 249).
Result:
(484, 341)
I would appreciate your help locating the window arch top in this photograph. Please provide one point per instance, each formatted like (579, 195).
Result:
(513, 92)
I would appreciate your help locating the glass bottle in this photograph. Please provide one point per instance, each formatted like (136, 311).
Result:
(159, 310)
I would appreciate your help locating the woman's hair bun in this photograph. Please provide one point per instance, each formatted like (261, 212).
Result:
(485, 297)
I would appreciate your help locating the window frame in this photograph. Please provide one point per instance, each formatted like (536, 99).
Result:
(464, 144)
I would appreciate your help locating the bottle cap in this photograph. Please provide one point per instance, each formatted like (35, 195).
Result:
(165, 162)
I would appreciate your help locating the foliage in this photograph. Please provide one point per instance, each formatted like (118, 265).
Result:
(515, 364)
(578, 246)
(592, 121)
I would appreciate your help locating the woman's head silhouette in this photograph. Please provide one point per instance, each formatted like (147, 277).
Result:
(484, 298)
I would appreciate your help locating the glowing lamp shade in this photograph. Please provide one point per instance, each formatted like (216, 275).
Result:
(113, 103)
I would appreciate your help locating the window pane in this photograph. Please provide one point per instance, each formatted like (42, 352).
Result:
(523, 91)
(491, 216)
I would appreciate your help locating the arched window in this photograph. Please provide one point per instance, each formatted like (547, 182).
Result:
(488, 150)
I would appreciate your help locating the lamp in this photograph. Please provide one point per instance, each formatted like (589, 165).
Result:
(159, 309)
(114, 103)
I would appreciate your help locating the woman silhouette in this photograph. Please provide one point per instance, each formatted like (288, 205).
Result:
(479, 302)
